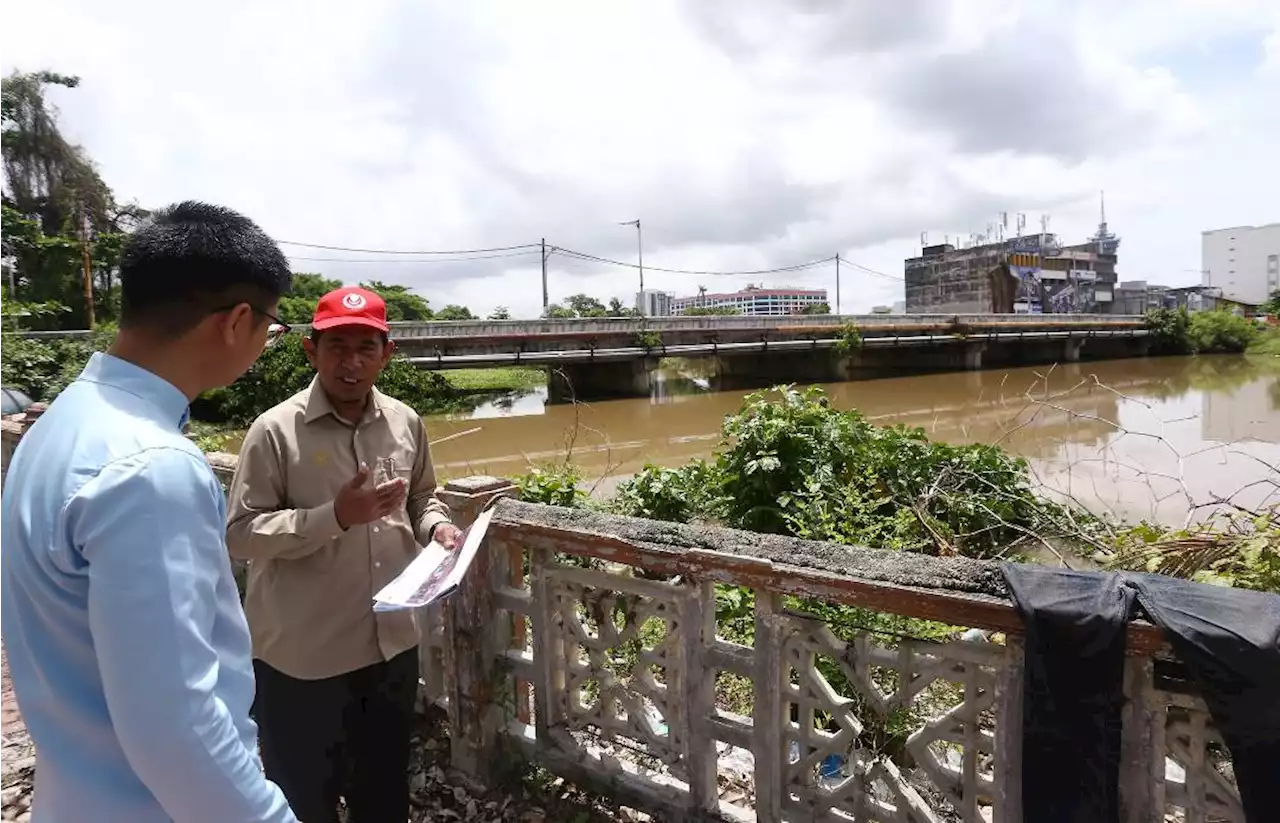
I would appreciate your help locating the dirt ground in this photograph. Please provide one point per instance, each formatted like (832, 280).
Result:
(17, 774)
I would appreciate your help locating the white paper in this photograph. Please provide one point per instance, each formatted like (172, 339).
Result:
(435, 573)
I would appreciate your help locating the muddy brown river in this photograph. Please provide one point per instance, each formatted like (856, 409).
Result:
(1159, 438)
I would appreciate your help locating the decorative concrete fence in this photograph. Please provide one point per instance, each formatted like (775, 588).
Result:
(596, 646)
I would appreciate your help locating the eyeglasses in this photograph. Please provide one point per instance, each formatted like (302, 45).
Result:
(275, 331)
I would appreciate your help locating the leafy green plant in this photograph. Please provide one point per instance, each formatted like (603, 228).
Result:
(848, 340)
(553, 485)
(1241, 551)
(674, 495)
(42, 368)
(794, 465)
(648, 339)
(1170, 331)
(1220, 331)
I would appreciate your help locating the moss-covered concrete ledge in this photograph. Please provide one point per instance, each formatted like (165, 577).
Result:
(953, 574)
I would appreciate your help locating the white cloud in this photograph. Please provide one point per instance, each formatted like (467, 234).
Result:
(743, 136)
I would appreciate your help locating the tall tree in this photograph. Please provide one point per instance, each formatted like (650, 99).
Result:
(616, 309)
(455, 312)
(402, 304)
(56, 205)
(299, 306)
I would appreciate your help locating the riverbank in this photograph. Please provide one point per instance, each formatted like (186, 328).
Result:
(1267, 343)
(495, 380)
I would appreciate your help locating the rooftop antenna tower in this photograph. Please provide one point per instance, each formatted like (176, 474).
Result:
(1107, 242)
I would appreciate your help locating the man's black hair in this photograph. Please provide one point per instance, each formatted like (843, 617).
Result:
(192, 259)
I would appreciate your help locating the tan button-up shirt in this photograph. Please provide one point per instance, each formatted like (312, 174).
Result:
(309, 597)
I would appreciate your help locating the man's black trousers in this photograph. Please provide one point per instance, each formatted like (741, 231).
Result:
(340, 736)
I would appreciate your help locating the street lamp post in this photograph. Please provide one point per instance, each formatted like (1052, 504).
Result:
(639, 254)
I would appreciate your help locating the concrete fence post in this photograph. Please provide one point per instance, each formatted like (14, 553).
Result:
(471, 639)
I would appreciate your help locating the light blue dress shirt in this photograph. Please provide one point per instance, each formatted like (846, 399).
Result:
(127, 645)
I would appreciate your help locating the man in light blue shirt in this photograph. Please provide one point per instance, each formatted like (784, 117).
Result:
(127, 644)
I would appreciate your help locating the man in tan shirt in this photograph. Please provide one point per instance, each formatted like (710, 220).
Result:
(335, 681)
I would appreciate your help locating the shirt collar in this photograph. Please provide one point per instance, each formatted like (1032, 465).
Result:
(110, 370)
(318, 404)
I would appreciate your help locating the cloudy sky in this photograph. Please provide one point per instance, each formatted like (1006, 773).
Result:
(745, 135)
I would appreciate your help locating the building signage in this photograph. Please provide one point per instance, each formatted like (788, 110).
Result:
(1083, 275)
(1031, 243)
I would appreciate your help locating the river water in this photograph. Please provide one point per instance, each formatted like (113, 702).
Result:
(1161, 439)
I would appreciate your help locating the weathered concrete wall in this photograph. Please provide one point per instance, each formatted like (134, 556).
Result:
(958, 282)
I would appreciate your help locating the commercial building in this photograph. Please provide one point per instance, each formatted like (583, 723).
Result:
(1244, 262)
(654, 303)
(755, 300)
(1033, 274)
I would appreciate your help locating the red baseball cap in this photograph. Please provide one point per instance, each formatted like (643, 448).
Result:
(350, 306)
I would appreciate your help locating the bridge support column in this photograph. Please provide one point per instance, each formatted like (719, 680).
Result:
(1071, 350)
(599, 381)
(973, 355)
(777, 367)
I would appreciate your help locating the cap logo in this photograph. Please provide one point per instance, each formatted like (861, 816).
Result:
(353, 301)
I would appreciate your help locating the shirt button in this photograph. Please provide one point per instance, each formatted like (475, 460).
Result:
(377, 564)
(375, 529)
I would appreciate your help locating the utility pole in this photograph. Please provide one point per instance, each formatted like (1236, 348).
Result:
(546, 301)
(88, 266)
(837, 284)
(639, 258)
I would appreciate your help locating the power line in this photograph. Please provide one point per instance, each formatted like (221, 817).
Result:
(867, 270)
(397, 251)
(528, 253)
(798, 267)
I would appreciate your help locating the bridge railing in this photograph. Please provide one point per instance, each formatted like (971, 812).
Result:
(631, 325)
(704, 673)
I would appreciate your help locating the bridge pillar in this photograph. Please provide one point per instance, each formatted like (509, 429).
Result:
(776, 367)
(973, 355)
(599, 381)
(1071, 350)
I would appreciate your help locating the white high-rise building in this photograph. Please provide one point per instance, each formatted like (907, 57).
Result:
(1243, 261)
(653, 303)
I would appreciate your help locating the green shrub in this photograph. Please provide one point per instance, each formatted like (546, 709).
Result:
(42, 368)
(1220, 331)
(1170, 331)
(674, 495)
(849, 340)
(552, 485)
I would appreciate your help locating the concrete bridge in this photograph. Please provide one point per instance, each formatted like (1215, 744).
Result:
(613, 357)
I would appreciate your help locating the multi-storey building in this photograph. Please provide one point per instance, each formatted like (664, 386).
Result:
(654, 303)
(755, 300)
(1244, 262)
(1027, 274)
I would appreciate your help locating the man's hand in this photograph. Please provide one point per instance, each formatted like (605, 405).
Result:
(447, 535)
(356, 505)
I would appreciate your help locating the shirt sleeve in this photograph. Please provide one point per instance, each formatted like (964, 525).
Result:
(151, 530)
(426, 510)
(259, 525)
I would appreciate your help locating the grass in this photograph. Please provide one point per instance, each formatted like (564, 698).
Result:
(503, 379)
(1266, 343)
